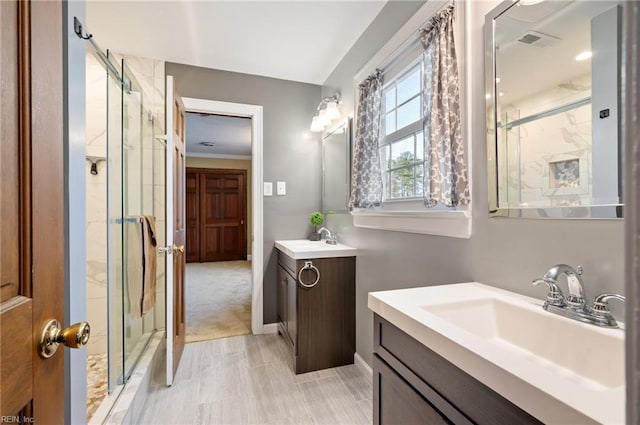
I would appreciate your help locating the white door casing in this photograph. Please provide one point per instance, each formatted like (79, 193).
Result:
(255, 113)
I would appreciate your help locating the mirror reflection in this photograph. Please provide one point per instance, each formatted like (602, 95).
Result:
(553, 92)
(336, 173)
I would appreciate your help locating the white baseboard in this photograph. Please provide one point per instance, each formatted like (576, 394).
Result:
(249, 257)
(359, 361)
(269, 328)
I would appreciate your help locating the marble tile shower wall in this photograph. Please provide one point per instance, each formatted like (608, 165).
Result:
(150, 74)
(549, 159)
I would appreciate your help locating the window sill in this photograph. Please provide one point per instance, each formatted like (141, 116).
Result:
(454, 224)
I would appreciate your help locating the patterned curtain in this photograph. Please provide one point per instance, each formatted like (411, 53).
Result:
(366, 175)
(445, 167)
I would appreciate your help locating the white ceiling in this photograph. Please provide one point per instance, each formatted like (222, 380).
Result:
(294, 40)
(231, 135)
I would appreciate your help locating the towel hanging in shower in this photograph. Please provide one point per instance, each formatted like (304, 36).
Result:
(149, 245)
(141, 265)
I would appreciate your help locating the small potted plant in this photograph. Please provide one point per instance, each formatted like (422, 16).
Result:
(316, 219)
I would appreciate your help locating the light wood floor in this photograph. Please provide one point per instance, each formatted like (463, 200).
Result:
(248, 380)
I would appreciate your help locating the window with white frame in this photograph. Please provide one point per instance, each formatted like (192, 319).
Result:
(394, 196)
(401, 141)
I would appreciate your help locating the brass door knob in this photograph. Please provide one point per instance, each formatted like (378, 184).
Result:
(74, 336)
(178, 249)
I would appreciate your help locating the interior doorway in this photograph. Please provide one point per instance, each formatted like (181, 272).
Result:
(224, 219)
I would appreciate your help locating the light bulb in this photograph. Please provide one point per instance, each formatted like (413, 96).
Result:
(324, 119)
(316, 125)
(332, 111)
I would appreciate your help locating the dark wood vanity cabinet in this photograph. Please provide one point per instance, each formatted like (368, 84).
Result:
(318, 324)
(414, 385)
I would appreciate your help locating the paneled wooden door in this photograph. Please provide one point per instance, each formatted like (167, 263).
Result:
(32, 209)
(192, 202)
(217, 199)
(175, 196)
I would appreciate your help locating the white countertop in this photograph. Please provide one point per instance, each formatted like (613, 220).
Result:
(300, 249)
(571, 372)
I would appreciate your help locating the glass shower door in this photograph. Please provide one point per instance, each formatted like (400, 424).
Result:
(133, 188)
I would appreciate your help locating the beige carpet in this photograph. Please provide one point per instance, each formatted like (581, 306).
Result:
(217, 300)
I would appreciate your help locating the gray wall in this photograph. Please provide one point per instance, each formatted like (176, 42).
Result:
(291, 153)
(507, 253)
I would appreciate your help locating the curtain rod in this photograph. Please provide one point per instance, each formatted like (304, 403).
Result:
(410, 42)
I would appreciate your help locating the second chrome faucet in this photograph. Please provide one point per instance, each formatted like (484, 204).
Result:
(574, 306)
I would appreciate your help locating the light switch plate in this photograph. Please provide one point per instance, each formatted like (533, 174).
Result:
(281, 188)
(268, 189)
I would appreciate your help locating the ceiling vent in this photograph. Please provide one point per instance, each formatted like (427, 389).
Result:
(538, 39)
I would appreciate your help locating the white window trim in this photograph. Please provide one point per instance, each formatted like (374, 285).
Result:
(456, 224)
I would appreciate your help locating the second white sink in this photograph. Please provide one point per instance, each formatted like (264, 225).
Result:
(571, 348)
(300, 249)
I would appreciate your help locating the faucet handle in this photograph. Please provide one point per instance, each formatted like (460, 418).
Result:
(333, 240)
(554, 296)
(601, 309)
(601, 305)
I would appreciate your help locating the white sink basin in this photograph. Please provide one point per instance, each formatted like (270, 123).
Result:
(299, 249)
(559, 370)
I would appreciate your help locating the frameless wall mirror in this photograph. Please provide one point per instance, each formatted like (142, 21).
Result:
(553, 101)
(336, 171)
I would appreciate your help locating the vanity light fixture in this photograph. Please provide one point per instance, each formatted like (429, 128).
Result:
(316, 125)
(584, 56)
(326, 113)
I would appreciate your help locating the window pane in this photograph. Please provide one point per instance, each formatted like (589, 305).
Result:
(402, 183)
(409, 113)
(402, 153)
(390, 99)
(419, 180)
(409, 87)
(385, 157)
(390, 123)
(419, 146)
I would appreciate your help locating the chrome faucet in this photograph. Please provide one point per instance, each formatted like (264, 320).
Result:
(574, 305)
(576, 286)
(331, 240)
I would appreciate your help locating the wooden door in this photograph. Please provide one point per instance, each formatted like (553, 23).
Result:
(223, 215)
(175, 179)
(192, 213)
(32, 206)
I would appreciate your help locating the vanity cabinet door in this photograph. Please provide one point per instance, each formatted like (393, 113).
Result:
(398, 402)
(292, 311)
(281, 296)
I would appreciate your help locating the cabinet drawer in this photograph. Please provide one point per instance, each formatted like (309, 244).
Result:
(472, 398)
